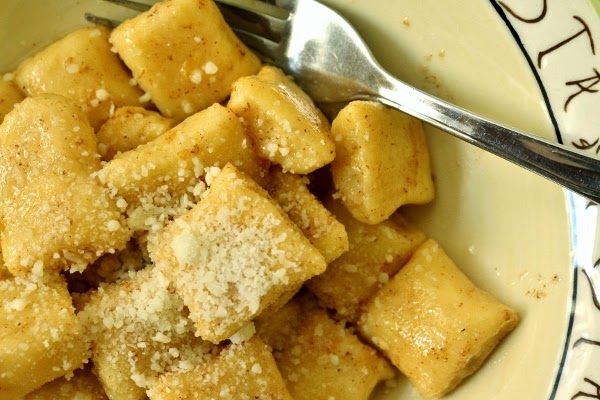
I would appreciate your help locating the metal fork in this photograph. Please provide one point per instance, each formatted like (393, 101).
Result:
(330, 61)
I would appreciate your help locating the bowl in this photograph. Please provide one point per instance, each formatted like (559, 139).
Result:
(528, 242)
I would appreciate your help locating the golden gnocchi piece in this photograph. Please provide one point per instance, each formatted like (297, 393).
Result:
(433, 323)
(129, 127)
(9, 94)
(54, 214)
(161, 179)
(283, 121)
(376, 253)
(319, 358)
(282, 300)
(241, 371)
(139, 330)
(382, 161)
(83, 385)
(318, 224)
(41, 339)
(233, 254)
(81, 67)
(184, 65)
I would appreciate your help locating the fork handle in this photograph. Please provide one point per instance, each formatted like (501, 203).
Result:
(566, 167)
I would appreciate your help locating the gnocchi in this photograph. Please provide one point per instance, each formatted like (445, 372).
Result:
(161, 234)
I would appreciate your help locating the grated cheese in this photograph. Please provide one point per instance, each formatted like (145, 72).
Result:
(210, 68)
(72, 68)
(142, 323)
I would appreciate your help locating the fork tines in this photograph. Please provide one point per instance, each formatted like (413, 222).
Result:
(266, 19)
(132, 5)
(97, 20)
(245, 20)
(111, 23)
(260, 24)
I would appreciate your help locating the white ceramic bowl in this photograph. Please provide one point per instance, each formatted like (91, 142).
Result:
(521, 238)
